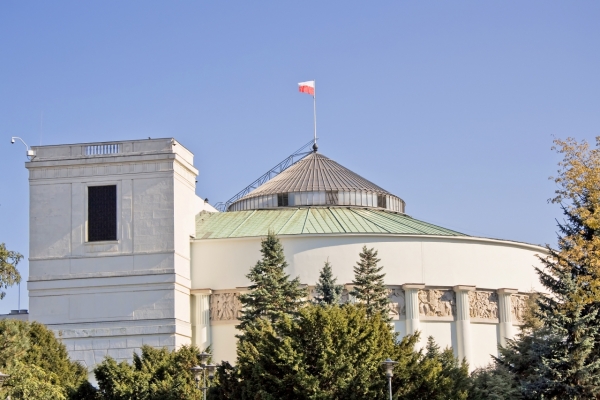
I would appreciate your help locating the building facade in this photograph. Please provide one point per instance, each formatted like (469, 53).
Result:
(123, 253)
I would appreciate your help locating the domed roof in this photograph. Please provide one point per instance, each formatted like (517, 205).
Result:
(312, 220)
(316, 173)
(318, 180)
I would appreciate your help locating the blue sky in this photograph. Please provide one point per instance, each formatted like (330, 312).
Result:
(450, 105)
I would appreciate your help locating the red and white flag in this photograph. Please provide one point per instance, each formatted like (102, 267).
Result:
(307, 87)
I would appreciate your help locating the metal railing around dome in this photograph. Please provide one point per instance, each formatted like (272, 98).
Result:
(273, 172)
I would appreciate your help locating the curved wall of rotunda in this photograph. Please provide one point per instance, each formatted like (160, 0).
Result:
(466, 292)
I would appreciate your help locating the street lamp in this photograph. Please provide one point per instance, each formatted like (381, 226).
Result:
(203, 368)
(30, 153)
(389, 372)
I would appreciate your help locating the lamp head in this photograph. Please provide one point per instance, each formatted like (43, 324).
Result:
(204, 356)
(211, 371)
(196, 370)
(388, 364)
(12, 140)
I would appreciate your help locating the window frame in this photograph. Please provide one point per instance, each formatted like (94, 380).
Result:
(117, 214)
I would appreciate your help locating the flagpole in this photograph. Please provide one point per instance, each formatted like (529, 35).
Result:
(315, 114)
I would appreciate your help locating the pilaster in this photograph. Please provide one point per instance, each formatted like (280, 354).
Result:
(411, 298)
(201, 332)
(463, 322)
(505, 314)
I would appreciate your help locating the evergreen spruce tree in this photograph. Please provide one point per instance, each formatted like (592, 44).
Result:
(369, 288)
(440, 376)
(561, 359)
(327, 291)
(272, 293)
(493, 383)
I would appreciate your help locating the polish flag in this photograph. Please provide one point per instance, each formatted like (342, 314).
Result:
(307, 87)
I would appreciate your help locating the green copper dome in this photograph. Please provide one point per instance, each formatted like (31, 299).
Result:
(311, 220)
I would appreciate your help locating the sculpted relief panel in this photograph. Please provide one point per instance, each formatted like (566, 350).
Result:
(519, 304)
(397, 305)
(437, 303)
(225, 307)
(483, 304)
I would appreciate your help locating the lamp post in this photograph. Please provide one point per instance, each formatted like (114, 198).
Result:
(203, 368)
(389, 372)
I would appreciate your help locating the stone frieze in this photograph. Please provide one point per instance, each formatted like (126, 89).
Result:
(483, 304)
(437, 303)
(519, 305)
(225, 306)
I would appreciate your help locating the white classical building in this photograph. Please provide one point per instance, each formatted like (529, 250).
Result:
(123, 253)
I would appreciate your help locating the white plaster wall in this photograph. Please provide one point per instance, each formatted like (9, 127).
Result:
(225, 349)
(49, 220)
(485, 339)
(109, 298)
(153, 214)
(444, 333)
(224, 263)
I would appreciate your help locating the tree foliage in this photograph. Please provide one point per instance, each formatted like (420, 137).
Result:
(560, 357)
(493, 383)
(369, 287)
(272, 294)
(38, 364)
(438, 376)
(335, 352)
(8, 269)
(328, 292)
(155, 374)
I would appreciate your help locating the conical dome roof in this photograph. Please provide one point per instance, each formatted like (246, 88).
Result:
(318, 180)
(313, 173)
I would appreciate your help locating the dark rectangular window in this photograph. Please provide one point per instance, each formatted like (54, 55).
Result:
(381, 201)
(282, 200)
(102, 213)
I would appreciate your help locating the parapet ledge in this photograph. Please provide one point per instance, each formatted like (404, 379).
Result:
(111, 149)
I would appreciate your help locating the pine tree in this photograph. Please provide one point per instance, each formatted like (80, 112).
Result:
(369, 288)
(326, 352)
(493, 383)
(561, 359)
(327, 291)
(440, 376)
(272, 293)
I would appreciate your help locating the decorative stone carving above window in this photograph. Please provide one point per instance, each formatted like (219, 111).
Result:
(518, 307)
(397, 304)
(483, 304)
(225, 307)
(437, 303)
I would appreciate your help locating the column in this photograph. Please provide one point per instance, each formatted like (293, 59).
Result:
(505, 314)
(411, 302)
(463, 323)
(201, 318)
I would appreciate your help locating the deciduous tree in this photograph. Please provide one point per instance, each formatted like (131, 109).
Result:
(561, 358)
(8, 269)
(38, 364)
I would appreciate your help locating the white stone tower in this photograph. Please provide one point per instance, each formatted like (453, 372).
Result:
(110, 227)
